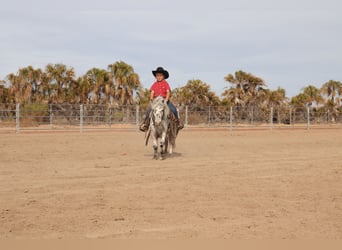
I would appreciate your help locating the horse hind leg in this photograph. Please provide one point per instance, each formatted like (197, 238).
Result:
(172, 144)
(171, 138)
(170, 149)
(167, 145)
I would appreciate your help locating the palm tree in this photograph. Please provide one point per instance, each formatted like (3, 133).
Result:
(234, 96)
(239, 79)
(14, 87)
(26, 88)
(125, 81)
(143, 97)
(60, 78)
(276, 99)
(177, 96)
(101, 82)
(333, 90)
(313, 95)
(24, 84)
(82, 90)
(4, 93)
(247, 87)
(31, 78)
(196, 92)
(45, 92)
(299, 101)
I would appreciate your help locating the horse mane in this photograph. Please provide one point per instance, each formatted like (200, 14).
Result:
(158, 101)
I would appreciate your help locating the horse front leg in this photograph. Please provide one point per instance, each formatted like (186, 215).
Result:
(162, 146)
(155, 148)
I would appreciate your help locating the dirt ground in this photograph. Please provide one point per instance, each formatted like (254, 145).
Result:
(280, 184)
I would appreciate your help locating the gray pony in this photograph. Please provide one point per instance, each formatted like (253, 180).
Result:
(162, 128)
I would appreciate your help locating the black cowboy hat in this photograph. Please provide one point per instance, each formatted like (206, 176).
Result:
(161, 70)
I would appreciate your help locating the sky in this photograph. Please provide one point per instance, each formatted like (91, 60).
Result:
(289, 44)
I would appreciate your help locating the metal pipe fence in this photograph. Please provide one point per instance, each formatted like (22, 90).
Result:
(16, 117)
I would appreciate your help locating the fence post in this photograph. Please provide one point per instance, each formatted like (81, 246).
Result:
(231, 118)
(209, 116)
(308, 114)
(17, 118)
(186, 116)
(50, 111)
(271, 118)
(81, 118)
(127, 114)
(137, 115)
(110, 116)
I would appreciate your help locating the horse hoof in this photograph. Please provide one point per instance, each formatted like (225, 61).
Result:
(163, 156)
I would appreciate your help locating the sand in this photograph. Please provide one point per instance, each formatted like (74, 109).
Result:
(271, 184)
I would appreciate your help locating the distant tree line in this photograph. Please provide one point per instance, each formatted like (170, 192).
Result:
(119, 85)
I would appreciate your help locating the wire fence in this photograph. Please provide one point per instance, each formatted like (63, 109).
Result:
(16, 117)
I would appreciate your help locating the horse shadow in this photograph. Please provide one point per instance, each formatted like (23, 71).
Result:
(174, 155)
(167, 156)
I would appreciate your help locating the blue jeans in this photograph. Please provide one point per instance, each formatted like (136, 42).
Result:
(172, 108)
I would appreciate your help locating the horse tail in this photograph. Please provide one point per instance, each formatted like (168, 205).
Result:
(147, 136)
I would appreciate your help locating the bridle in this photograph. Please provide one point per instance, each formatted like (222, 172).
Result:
(160, 111)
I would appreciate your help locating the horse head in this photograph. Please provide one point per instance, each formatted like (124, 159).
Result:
(159, 110)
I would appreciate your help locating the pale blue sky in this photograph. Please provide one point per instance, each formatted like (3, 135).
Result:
(290, 43)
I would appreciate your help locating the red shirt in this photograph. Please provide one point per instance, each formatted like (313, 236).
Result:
(160, 88)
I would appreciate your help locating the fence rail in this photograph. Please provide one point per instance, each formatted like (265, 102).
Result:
(16, 117)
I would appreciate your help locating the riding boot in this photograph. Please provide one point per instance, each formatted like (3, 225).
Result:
(145, 124)
(179, 124)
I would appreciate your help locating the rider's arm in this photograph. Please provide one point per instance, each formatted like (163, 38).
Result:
(151, 95)
(167, 95)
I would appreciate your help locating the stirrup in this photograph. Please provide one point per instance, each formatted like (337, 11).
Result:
(143, 127)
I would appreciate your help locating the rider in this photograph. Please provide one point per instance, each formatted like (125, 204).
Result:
(160, 88)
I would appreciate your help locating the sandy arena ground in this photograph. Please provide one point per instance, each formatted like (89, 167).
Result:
(280, 184)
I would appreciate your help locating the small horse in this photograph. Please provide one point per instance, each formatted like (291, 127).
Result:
(162, 127)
